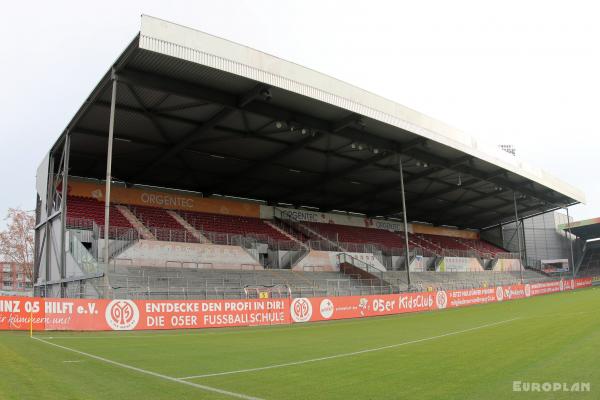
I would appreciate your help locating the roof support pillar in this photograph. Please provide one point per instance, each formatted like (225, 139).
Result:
(63, 213)
(111, 131)
(569, 237)
(49, 211)
(405, 221)
(518, 236)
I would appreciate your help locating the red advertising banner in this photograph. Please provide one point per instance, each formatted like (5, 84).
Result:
(100, 314)
(332, 308)
(24, 313)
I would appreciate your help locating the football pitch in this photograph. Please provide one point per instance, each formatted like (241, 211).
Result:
(464, 353)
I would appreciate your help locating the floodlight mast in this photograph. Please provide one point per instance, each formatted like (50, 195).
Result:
(406, 250)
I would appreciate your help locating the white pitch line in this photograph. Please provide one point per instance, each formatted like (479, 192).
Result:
(354, 353)
(155, 374)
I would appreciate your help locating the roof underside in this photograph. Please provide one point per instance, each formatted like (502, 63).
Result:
(187, 126)
(587, 229)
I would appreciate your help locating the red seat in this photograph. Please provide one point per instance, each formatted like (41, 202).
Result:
(356, 234)
(231, 224)
(88, 209)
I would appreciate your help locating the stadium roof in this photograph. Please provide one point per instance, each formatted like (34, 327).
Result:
(200, 113)
(586, 229)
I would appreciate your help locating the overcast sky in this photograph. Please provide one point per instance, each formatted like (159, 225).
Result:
(524, 72)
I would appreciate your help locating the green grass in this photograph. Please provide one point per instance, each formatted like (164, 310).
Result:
(554, 338)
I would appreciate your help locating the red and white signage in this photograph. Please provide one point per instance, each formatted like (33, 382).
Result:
(21, 313)
(98, 314)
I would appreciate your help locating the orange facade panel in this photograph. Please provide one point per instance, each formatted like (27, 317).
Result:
(441, 231)
(164, 199)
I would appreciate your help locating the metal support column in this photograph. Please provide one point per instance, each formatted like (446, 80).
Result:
(63, 211)
(524, 240)
(569, 238)
(518, 235)
(406, 251)
(49, 211)
(111, 129)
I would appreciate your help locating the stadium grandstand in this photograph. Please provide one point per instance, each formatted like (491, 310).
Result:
(198, 168)
(588, 264)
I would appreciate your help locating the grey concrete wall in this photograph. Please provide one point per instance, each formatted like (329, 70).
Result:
(540, 237)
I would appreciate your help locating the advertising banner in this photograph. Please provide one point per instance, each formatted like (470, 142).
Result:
(99, 314)
(353, 220)
(163, 199)
(343, 307)
(442, 231)
(331, 308)
(337, 219)
(24, 313)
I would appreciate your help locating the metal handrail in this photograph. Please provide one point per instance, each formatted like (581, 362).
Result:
(249, 240)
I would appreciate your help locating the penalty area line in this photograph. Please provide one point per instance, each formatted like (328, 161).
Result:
(154, 374)
(350, 354)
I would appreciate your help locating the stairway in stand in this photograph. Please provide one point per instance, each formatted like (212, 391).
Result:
(136, 223)
(193, 231)
(295, 239)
